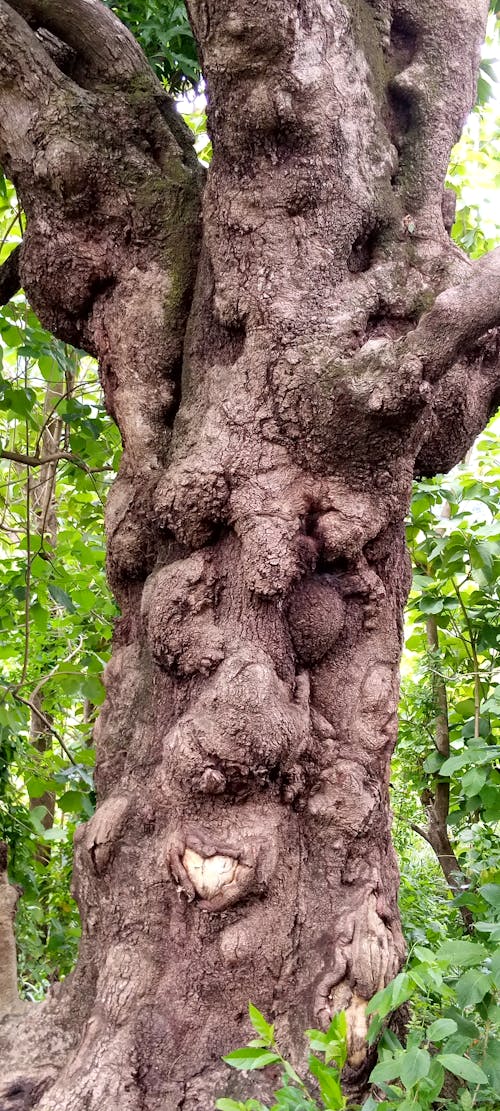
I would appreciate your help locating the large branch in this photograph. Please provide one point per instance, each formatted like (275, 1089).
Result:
(92, 30)
(465, 372)
(460, 315)
(112, 202)
(10, 282)
(465, 398)
(29, 82)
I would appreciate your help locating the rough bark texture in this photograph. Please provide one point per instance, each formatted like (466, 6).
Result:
(332, 341)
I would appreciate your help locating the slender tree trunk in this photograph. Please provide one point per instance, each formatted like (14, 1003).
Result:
(43, 503)
(327, 330)
(438, 806)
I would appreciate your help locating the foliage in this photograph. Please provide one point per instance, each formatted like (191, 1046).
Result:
(326, 1059)
(164, 32)
(454, 538)
(451, 1058)
(55, 614)
(473, 173)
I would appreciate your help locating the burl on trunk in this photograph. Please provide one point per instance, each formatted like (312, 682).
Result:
(281, 346)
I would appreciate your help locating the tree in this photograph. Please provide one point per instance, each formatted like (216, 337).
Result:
(453, 694)
(282, 347)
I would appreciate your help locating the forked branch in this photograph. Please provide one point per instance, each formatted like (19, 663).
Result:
(92, 30)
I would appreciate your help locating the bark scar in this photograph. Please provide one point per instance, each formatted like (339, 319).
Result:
(216, 873)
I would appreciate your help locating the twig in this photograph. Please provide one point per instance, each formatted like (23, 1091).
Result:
(39, 461)
(34, 709)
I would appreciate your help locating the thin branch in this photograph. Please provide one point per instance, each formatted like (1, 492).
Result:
(50, 728)
(27, 601)
(442, 734)
(38, 461)
(477, 679)
(56, 669)
(422, 833)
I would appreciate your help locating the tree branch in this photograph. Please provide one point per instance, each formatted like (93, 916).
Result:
(92, 30)
(37, 461)
(45, 721)
(464, 399)
(10, 282)
(421, 832)
(29, 82)
(459, 316)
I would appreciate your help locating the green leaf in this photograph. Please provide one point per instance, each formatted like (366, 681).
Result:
(49, 368)
(56, 833)
(290, 1071)
(491, 892)
(385, 1071)
(466, 1027)
(397, 992)
(36, 787)
(93, 689)
(441, 1029)
(414, 1065)
(472, 987)
(333, 1041)
(473, 780)
(289, 1098)
(250, 1058)
(430, 1086)
(329, 1084)
(37, 814)
(462, 953)
(260, 1025)
(61, 598)
(430, 604)
(454, 763)
(72, 802)
(462, 1067)
(229, 1105)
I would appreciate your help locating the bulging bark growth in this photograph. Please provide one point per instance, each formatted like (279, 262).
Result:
(278, 367)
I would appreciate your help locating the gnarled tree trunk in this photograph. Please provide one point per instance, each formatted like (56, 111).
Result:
(279, 360)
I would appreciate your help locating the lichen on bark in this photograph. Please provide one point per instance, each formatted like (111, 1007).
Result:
(278, 368)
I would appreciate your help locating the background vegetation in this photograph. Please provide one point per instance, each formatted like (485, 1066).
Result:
(58, 454)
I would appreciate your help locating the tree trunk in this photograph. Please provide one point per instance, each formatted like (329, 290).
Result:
(331, 339)
(43, 503)
(438, 803)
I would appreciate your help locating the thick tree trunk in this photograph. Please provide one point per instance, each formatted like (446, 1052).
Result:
(241, 846)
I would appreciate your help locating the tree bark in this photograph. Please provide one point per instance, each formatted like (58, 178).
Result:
(322, 318)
